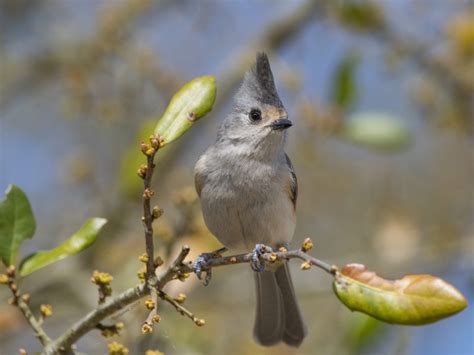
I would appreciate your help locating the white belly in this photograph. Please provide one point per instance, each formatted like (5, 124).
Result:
(242, 216)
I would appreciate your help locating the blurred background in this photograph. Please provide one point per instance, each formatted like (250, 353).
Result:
(381, 96)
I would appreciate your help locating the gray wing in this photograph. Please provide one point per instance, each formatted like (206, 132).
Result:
(293, 182)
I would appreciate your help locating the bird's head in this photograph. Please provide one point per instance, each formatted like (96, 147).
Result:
(258, 118)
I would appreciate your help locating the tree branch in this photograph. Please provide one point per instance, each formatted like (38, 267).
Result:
(177, 268)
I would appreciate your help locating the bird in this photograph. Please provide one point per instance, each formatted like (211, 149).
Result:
(248, 190)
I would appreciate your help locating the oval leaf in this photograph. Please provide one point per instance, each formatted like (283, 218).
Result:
(412, 300)
(17, 223)
(79, 241)
(189, 104)
(378, 131)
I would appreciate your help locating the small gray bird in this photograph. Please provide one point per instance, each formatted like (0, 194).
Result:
(248, 190)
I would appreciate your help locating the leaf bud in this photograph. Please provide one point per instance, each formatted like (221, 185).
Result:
(156, 318)
(150, 151)
(158, 261)
(180, 298)
(155, 142)
(199, 322)
(157, 212)
(305, 265)
(150, 304)
(46, 310)
(144, 147)
(183, 276)
(25, 298)
(4, 279)
(307, 245)
(143, 258)
(272, 258)
(147, 328)
(11, 270)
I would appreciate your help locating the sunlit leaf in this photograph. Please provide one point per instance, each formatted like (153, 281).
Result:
(377, 131)
(189, 104)
(17, 223)
(344, 87)
(411, 300)
(79, 241)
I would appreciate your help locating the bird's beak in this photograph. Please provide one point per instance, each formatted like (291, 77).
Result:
(280, 124)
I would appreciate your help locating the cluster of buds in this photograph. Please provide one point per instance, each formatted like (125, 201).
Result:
(103, 281)
(150, 149)
(117, 349)
(112, 330)
(101, 278)
(9, 279)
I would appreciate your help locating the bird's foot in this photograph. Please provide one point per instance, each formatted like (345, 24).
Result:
(256, 264)
(201, 264)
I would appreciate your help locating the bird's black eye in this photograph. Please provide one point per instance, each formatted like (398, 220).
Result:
(255, 115)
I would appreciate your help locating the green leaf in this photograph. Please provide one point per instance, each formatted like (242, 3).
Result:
(344, 87)
(79, 241)
(189, 104)
(377, 131)
(412, 300)
(17, 223)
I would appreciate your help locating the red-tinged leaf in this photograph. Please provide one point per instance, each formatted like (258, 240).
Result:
(411, 300)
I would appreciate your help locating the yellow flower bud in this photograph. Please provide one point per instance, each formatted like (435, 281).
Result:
(46, 310)
(305, 265)
(180, 298)
(150, 304)
(147, 328)
(307, 245)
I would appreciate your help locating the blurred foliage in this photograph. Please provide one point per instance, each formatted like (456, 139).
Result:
(377, 131)
(344, 90)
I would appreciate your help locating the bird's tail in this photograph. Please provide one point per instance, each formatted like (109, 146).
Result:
(278, 317)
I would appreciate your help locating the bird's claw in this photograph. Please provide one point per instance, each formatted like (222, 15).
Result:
(201, 265)
(257, 252)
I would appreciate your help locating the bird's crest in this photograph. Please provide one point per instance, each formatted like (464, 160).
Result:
(258, 83)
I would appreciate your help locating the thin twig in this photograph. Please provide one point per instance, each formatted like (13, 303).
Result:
(148, 217)
(179, 308)
(25, 309)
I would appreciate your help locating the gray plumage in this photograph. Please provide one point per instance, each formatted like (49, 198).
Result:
(248, 191)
